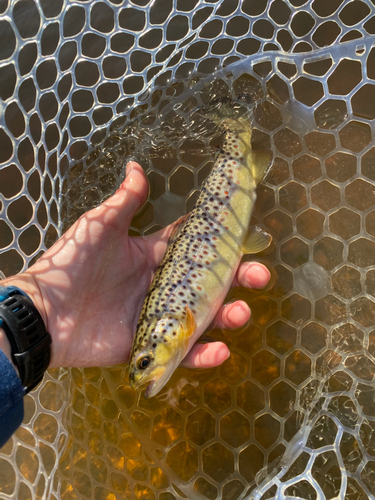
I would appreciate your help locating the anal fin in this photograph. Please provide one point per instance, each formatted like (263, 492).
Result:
(256, 240)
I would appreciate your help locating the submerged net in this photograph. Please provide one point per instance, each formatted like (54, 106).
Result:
(86, 85)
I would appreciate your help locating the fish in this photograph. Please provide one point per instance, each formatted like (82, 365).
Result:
(202, 256)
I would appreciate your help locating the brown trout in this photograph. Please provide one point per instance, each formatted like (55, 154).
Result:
(202, 257)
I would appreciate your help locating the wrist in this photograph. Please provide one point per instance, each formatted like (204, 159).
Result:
(28, 284)
(23, 327)
(35, 282)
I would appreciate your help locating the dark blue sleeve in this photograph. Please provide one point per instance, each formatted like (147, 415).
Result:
(11, 399)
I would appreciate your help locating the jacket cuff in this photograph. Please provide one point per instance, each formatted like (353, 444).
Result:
(11, 399)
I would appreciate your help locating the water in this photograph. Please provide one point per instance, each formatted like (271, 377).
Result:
(281, 380)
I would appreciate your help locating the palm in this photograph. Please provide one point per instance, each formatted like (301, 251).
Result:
(101, 301)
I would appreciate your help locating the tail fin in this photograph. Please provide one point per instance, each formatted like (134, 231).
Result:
(221, 109)
(233, 115)
(228, 114)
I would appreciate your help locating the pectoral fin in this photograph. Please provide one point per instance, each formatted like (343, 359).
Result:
(178, 225)
(188, 328)
(256, 240)
(190, 323)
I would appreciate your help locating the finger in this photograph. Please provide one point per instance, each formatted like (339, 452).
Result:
(232, 315)
(120, 208)
(206, 355)
(252, 275)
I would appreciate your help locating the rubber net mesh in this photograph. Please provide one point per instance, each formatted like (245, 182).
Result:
(84, 85)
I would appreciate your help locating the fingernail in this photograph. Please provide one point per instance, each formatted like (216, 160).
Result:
(261, 271)
(256, 266)
(129, 167)
(236, 308)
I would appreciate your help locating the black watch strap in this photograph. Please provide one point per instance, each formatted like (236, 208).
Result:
(30, 342)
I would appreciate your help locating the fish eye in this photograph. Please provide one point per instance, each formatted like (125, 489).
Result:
(144, 362)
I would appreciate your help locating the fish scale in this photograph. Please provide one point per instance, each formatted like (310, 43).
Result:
(199, 265)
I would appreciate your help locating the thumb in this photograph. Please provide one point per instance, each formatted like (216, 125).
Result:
(128, 199)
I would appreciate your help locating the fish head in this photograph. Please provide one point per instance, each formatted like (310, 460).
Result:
(154, 360)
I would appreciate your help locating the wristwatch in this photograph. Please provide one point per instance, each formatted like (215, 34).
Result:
(29, 340)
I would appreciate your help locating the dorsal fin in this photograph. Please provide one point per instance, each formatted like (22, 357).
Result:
(177, 228)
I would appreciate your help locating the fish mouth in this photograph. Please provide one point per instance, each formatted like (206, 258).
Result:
(150, 391)
(157, 382)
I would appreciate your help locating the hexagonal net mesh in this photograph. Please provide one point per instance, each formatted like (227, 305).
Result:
(86, 85)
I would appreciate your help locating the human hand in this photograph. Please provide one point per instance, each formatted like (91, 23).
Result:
(90, 285)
